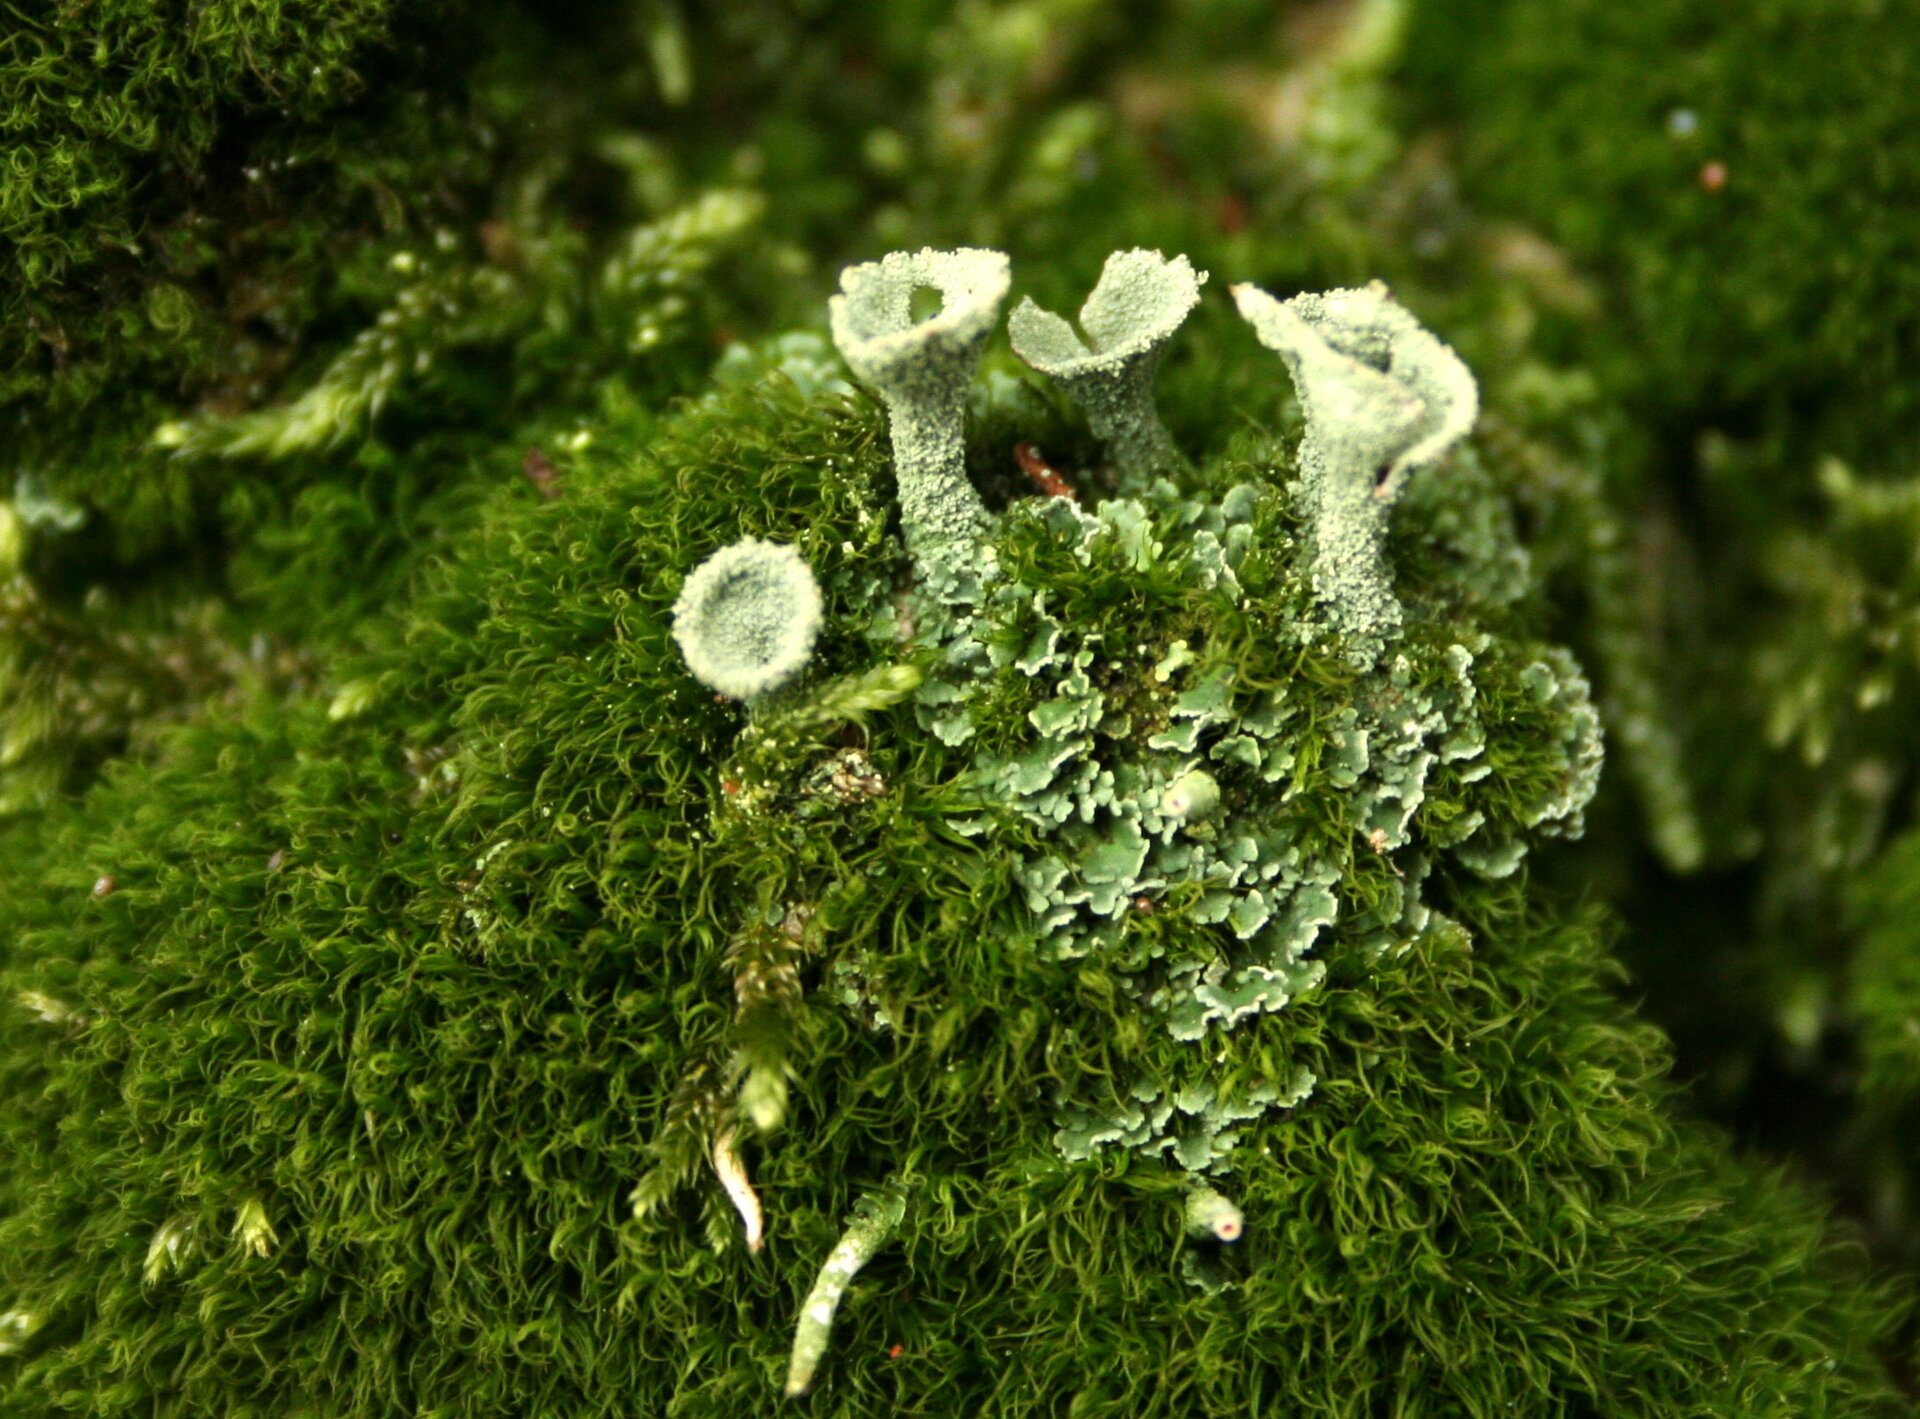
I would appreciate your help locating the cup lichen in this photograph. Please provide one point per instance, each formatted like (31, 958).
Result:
(747, 618)
(922, 370)
(1383, 399)
(1140, 300)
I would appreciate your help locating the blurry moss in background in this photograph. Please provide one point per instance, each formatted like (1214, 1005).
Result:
(1739, 184)
(1739, 175)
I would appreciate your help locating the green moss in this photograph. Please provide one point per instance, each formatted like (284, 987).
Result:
(334, 1102)
(99, 98)
(171, 179)
(395, 1031)
(1708, 162)
(1887, 975)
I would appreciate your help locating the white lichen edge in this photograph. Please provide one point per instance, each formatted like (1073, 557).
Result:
(1140, 300)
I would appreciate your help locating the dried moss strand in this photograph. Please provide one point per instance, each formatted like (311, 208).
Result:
(731, 1169)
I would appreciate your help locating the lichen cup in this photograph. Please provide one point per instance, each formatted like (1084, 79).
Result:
(1384, 398)
(747, 618)
(1140, 300)
(922, 370)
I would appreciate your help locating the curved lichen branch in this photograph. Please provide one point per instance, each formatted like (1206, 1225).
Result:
(875, 1218)
(1139, 301)
(922, 370)
(747, 618)
(1383, 398)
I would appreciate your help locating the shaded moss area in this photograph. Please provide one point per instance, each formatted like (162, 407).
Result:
(390, 912)
(1736, 175)
(183, 180)
(415, 984)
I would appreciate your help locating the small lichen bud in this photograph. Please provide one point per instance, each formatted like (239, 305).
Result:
(1139, 301)
(1383, 398)
(1211, 1215)
(763, 1099)
(47, 1009)
(1194, 795)
(922, 370)
(747, 618)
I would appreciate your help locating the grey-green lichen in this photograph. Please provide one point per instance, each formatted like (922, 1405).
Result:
(1140, 300)
(1161, 789)
(875, 1218)
(922, 370)
(747, 618)
(1383, 399)
(1157, 786)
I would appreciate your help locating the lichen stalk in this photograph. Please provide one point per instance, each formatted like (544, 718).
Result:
(1383, 399)
(875, 1218)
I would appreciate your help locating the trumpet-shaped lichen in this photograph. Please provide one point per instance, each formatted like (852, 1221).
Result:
(1383, 399)
(1140, 300)
(922, 370)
